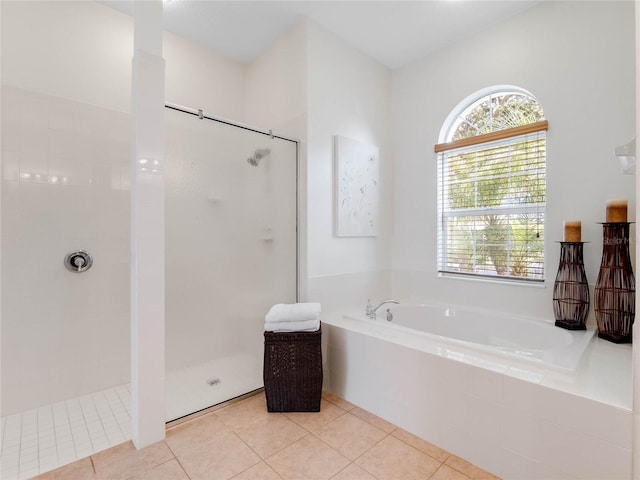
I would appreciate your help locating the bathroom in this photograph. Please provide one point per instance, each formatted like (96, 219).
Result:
(577, 58)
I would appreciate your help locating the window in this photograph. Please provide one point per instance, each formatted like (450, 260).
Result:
(491, 187)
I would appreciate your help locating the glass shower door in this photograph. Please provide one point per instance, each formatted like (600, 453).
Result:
(231, 253)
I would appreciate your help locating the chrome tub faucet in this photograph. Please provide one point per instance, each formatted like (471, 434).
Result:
(371, 310)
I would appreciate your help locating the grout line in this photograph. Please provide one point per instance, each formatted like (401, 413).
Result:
(73, 443)
(177, 459)
(341, 470)
(20, 445)
(38, 441)
(436, 470)
(4, 435)
(415, 448)
(113, 414)
(55, 437)
(278, 451)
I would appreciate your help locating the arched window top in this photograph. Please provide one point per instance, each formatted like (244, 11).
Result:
(490, 110)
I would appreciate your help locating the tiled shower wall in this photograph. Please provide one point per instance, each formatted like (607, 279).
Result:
(65, 186)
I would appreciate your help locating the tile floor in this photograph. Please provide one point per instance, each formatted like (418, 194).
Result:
(243, 441)
(44, 438)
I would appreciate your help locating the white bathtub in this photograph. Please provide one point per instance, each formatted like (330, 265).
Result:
(537, 341)
(511, 407)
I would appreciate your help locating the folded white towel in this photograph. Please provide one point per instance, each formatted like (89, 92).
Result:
(304, 326)
(293, 312)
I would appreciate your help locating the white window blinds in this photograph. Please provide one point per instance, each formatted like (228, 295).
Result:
(491, 204)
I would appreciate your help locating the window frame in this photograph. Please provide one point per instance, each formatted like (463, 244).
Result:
(534, 131)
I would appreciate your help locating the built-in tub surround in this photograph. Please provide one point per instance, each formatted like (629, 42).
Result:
(516, 419)
(517, 338)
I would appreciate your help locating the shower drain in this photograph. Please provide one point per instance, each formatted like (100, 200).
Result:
(212, 382)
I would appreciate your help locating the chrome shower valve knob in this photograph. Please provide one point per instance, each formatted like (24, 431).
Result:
(78, 261)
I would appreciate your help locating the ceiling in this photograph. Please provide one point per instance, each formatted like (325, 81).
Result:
(394, 32)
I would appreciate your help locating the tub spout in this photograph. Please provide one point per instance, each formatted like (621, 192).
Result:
(371, 310)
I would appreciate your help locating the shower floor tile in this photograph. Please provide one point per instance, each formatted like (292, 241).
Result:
(42, 439)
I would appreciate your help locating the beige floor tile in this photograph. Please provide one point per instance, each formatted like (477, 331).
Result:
(170, 470)
(80, 470)
(228, 444)
(222, 457)
(307, 459)
(447, 473)
(339, 402)
(353, 472)
(312, 421)
(124, 461)
(271, 435)
(422, 445)
(392, 459)
(260, 471)
(246, 412)
(350, 435)
(184, 438)
(484, 475)
(469, 469)
(373, 420)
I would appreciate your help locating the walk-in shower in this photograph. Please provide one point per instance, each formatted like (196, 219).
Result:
(65, 280)
(230, 253)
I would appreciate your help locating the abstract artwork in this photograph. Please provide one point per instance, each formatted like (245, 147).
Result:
(356, 173)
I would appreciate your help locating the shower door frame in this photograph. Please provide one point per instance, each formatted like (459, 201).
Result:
(204, 116)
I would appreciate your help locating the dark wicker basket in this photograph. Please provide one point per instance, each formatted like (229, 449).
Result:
(293, 371)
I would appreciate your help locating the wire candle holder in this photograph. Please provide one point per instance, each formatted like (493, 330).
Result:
(615, 290)
(571, 289)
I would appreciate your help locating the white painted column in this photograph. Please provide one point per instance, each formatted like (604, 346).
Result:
(0, 186)
(147, 228)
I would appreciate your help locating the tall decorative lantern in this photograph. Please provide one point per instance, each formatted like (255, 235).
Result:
(571, 289)
(615, 290)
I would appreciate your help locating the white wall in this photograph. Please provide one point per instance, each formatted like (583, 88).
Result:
(312, 85)
(348, 95)
(200, 78)
(276, 85)
(276, 99)
(74, 50)
(83, 50)
(577, 58)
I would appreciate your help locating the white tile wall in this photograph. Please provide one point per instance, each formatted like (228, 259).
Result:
(59, 161)
(42, 439)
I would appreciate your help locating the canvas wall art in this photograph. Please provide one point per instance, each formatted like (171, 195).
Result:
(356, 186)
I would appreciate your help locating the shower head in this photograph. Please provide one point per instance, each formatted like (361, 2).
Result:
(258, 155)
